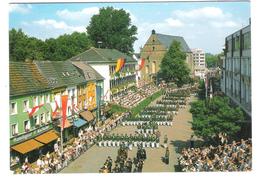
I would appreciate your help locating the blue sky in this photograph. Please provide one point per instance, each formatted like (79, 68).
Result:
(202, 24)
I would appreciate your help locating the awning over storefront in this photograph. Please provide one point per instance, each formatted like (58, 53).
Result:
(47, 137)
(87, 115)
(27, 146)
(79, 122)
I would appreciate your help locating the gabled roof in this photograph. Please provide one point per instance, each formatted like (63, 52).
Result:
(88, 72)
(167, 40)
(60, 73)
(102, 56)
(25, 79)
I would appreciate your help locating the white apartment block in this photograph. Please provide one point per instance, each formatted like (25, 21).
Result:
(199, 62)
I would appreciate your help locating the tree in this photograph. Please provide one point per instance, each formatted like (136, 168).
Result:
(173, 66)
(112, 28)
(22, 47)
(66, 46)
(215, 116)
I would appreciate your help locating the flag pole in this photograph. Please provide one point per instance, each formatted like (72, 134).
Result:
(61, 139)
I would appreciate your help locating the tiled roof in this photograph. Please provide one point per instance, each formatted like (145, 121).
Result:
(25, 78)
(102, 56)
(60, 73)
(167, 40)
(89, 72)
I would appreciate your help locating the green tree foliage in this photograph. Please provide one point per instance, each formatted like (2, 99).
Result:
(22, 47)
(215, 116)
(113, 28)
(201, 91)
(64, 47)
(174, 67)
(211, 60)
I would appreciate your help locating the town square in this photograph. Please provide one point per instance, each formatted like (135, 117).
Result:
(130, 87)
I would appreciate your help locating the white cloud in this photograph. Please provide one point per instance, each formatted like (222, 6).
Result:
(224, 24)
(78, 15)
(174, 22)
(205, 12)
(53, 24)
(20, 8)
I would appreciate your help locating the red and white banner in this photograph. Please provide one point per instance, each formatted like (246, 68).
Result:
(34, 110)
(141, 65)
(64, 102)
(54, 107)
(75, 108)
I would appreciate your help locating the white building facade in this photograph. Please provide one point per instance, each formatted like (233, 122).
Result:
(199, 62)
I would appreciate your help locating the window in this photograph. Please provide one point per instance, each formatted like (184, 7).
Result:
(69, 94)
(35, 101)
(42, 100)
(27, 126)
(36, 120)
(237, 43)
(153, 48)
(246, 41)
(73, 92)
(48, 116)
(229, 46)
(48, 99)
(25, 105)
(13, 108)
(147, 69)
(42, 118)
(14, 129)
(153, 67)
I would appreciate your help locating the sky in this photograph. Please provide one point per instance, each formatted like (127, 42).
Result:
(202, 24)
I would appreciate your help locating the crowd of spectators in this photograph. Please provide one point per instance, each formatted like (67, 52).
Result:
(131, 98)
(236, 156)
(60, 158)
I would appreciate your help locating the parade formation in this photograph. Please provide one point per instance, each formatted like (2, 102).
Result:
(93, 101)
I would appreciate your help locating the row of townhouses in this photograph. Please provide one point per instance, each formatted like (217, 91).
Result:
(36, 90)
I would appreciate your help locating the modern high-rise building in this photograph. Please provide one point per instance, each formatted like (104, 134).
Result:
(199, 61)
(236, 68)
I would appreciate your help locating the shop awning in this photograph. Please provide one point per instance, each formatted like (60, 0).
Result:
(67, 124)
(47, 137)
(87, 115)
(79, 122)
(27, 146)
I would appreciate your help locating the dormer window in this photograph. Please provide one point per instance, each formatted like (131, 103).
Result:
(63, 74)
(68, 73)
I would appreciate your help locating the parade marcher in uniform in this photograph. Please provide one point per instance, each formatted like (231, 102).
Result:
(143, 154)
(192, 141)
(165, 141)
(129, 165)
(109, 164)
(167, 154)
